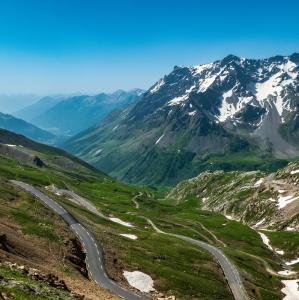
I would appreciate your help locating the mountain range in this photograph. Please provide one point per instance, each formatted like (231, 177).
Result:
(30, 112)
(20, 126)
(234, 113)
(66, 116)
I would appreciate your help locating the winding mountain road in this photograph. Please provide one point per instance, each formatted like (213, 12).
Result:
(94, 254)
(230, 272)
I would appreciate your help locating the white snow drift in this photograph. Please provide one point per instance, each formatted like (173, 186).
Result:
(129, 236)
(119, 221)
(140, 281)
(291, 289)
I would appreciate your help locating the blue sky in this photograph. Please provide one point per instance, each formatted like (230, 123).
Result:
(66, 46)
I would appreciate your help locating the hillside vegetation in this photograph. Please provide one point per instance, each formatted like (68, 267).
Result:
(177, 267)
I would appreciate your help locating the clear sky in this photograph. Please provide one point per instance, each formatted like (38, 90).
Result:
(66, 46)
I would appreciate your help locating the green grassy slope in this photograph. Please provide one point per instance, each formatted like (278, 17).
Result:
(177, 267)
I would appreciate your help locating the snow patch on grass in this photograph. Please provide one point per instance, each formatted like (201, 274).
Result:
(265, 240)
(230, 217)
(286, 272)
(119, 221)
(285, 200)
(140, 281)
(294, 172)
(129, 236)
(259, 182)
(259, 223)
(293, 262)
(192, 113)
(291, 289)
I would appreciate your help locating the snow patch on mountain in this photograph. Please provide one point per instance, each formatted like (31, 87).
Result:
(178, 100)
(157, 86)
(159, 139)
(200, 68)
(292, 262)
(265, 240)
(285, 200)
(268, 84)
(259, 223)
(259, 182)
(229, 109)
(192, 113)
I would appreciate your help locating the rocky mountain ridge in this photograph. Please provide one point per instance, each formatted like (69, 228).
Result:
(230, 107)
(263, 201)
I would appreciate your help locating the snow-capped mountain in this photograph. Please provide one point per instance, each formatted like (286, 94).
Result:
(230, 105)
(245, 95)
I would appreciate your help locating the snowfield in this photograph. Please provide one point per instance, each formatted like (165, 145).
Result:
(140, 281)
(157, 86)
(266, 241)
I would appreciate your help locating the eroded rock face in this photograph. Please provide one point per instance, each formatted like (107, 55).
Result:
(77, 256)
(3, 242)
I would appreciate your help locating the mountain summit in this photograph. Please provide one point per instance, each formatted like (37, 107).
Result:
(230, 106)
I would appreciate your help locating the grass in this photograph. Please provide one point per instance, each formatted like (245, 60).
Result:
(30, 215)
(245, 162)
(177, 267)
(16, 285)
(288, 241)
(182, 264)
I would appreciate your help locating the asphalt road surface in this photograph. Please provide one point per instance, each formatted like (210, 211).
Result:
(94, 254)
(230, 272)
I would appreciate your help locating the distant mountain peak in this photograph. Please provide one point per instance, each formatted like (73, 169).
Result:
(295, 57)
(231, 58)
